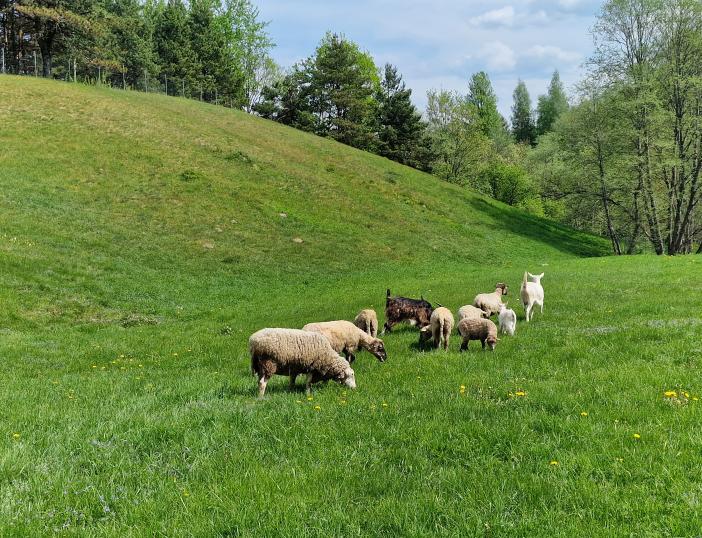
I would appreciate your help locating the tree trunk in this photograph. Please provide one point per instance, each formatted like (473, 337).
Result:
(45, 45)
(616, 247)
(649, 196)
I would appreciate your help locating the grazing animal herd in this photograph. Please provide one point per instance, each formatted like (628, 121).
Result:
(315, 350)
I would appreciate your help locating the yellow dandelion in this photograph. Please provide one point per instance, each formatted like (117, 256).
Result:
(384, 404)
(463, 387)
(637, 436)
(695, 398)
(687, 395)
(102, 368)
(620, 460)
(175, 354)
(317, 408)
(141, 366)
(670, 394)
(583, 414)
(309, 398)
(343, 402)
(16, 435)
(94, 366)
(185, 493)
(121, 356)
(554, 462)
(520, 393)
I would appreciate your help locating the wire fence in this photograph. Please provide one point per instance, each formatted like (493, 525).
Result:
(30, 64)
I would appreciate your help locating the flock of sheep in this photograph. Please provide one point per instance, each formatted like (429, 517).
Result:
(315, 349)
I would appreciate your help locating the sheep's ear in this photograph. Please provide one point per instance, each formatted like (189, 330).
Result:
(541, 276)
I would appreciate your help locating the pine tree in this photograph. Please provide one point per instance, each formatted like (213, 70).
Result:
(173, 46)
(400, 126)
(523, 128)
(551, 105)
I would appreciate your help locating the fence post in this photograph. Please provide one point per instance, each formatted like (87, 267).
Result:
(75, 69)
(166, 77)
(183, 87)
(124, 82)
(36, 73)
(3, 60)
(99, 75)
(146, 81)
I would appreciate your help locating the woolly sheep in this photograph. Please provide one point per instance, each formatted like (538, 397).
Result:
(508, 320)
(471, 312)
(439, 328)
(532, 293)
(345, 337)
(367, 321)
(478, 329)
(293, 352)
(490, 302)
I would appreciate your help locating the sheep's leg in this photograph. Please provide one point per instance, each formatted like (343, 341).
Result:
(308, 384)
(374, 329)
(292, 381)
(542, 307)
(446, 342)
(387, 327)
(464, 345)
(482, 341)
(350, 357)
(262, 382)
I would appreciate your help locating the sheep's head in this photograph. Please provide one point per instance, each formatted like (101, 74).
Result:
(491, 341)
(377, 349)
(425, 334)
(348, 378)
(501, 286)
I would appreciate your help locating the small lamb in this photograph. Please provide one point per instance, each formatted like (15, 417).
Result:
(471, 312)
(532, 293)
(439, 328)
(293, 352)
(346, 338)
(490, 302)
(508, 320)
(478, 329)
(367, 321)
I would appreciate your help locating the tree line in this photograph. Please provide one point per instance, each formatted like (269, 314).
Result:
(214, 50)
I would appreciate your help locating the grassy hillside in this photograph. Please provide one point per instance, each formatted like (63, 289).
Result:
(143, 238)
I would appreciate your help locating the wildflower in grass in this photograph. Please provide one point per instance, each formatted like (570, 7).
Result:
(620, 460)
(687, 395)
(554, 462)
(520, 393)
(670, 394)
(175, 354)
(94, 366)
(343, 402)
(384, 404)
(15, 435)
(637, 436)
(317, 408)
(695, 398)
(583, 413)
(185, 493)
(309, 398)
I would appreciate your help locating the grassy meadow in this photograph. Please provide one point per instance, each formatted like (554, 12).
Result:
(143, 239)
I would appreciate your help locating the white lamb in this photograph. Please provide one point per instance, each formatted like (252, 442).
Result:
(508, 320)
(532, 293)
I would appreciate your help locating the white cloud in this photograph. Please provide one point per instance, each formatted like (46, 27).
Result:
(542, 52)
(498, 56)
(503, 16)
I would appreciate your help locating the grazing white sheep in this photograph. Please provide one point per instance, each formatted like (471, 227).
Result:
(440, 327)
(345, 337)
(367, 321)
(478, 329)
(532, 293)
(293, 352)
(508, 320)
(490, 302)
(471, 312)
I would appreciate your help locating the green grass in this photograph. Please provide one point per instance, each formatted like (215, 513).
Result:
(141, 243)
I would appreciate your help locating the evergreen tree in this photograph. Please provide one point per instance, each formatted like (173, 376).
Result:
(343, 82)
(523, 128)
(551, 105)
(400, 126)
(173, 45)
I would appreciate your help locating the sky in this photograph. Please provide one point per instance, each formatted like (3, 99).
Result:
(439, 44)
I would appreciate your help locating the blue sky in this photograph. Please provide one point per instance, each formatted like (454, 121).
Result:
(439, 44)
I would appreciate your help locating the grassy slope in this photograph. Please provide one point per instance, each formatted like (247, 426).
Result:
(140, 244)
